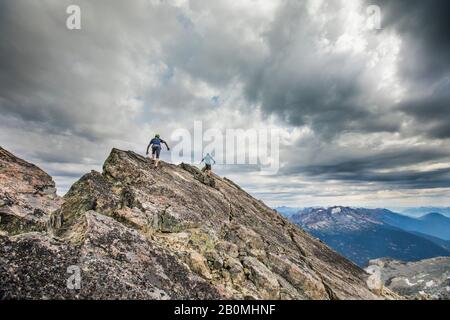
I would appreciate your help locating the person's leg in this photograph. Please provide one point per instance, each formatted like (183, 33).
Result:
(158, 151)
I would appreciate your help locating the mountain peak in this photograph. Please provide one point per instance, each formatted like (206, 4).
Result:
(174, 232)
(363, 234)
(434, 216)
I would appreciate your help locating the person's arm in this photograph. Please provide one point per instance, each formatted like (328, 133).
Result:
(165, 144)
(213, 160)
(148, 147)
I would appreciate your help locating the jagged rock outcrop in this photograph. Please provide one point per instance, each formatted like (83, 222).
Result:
(27, 195)
(425, 279)
(137, 232)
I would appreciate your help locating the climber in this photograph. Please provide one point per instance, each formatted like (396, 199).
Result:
(156, 148)
(208, 162)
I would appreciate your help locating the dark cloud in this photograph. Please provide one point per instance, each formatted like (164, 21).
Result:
(430, 110)
(329, 93)
(425, 56)
(311, 77)
(83, 83)
(403, 179)
(424, 27)
(387, 167)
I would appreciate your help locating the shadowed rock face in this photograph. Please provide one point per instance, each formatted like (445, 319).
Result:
(27, 195)
(137, 232)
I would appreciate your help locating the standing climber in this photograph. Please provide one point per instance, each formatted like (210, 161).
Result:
(208, 160)
(155, 143)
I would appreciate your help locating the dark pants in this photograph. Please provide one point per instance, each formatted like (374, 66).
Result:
(156, 150)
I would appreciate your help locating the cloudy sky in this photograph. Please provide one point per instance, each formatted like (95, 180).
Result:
(363, 113)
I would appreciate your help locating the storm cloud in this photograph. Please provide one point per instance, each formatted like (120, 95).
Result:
(363, 113)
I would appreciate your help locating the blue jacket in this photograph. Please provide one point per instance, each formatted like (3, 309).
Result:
(157, 141)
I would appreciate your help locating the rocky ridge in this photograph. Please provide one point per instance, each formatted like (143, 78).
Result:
(172, 233)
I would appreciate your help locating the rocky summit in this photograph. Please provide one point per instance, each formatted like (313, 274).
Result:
(135, 232)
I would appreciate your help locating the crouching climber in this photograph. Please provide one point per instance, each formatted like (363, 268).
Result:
(208, 160)
(155, 143)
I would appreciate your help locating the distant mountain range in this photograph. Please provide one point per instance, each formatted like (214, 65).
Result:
(415, 212)
(421, 211)
(364, 234)
(287, 211)
(432, 224)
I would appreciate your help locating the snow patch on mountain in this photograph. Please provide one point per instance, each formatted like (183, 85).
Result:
(336, 210)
